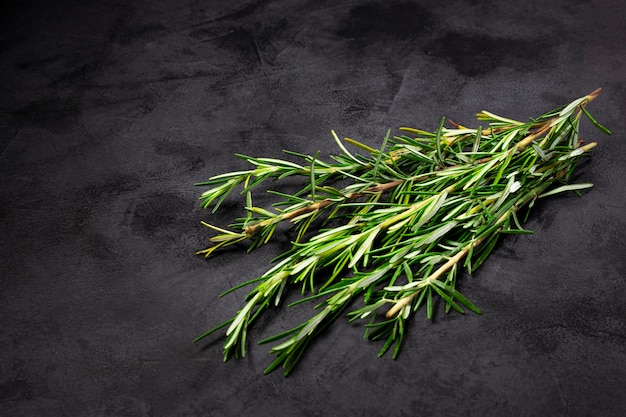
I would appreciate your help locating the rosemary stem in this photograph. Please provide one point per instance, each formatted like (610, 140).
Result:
(530, 138)
(400, 304)
(318, 205)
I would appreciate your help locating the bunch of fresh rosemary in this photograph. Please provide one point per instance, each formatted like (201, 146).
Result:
(415, 212)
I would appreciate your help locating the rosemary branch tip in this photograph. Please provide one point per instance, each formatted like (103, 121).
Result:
(595, 93)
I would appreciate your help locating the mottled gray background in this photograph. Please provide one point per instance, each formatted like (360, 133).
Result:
(112, 110)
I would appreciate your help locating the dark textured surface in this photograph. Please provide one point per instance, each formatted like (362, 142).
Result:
(111, 111)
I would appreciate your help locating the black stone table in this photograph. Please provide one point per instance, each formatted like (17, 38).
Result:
(112, 110)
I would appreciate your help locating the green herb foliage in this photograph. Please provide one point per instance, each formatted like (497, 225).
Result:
(413, 214)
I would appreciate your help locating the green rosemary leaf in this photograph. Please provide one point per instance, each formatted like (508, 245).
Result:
(281, 335)
(344, 150)
(399, 338)
(360, 145)
(214, 329)
(595, 122)
(381, 152)
(440, 158)
(485, 250)
(312, 175)
(441, 289)
(467, 303)
(243, 284)
(495, 119)
(564, 188)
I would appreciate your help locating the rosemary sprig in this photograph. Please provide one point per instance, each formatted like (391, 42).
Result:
(415, 212)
